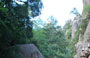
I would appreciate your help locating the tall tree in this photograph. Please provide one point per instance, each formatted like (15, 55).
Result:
(15, 23)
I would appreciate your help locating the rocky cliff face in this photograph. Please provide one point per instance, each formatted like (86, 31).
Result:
(86, 2)
(83, 44)
(83, 47)
(75, 25)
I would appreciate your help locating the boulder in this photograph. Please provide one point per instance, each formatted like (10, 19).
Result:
(30, 51)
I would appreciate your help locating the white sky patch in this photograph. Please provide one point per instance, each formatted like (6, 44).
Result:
(19, 2)
(24, 0)
(60, 9)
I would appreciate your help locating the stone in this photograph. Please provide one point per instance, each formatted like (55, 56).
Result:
(86, 2)
(87, 33)
(82, 49)
(30, 51)
(75, 24)
(83, 45)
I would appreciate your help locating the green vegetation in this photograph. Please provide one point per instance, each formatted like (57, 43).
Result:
(71, 50)
(68, 29)
(15, 25)
(86, 9)
(5, 10)
(53, 42)
(82, 27)
(17, 28)
(50, 40)
(11, 52)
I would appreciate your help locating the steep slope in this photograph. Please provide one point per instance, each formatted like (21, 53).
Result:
(83, 47)
(86, 2)
(83, 32)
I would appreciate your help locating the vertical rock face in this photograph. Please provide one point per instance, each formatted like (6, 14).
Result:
(87, 33)
(30, 51)
(83, 47)
(75, 25)
(86, 2)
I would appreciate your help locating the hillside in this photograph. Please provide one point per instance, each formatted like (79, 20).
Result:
(80, 32)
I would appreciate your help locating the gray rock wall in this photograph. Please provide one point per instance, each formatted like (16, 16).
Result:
(86, 2)
(83, 47)
(75, 25)
(87, 33)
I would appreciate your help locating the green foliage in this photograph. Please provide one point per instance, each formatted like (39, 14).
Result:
(70, 48)
(86, 9)
(68, 29)
(2, 8)
(35, 7)
(82, 27)
(73, 41)
(50, 41)
(11, 52)
(15, 26)
(68, 33)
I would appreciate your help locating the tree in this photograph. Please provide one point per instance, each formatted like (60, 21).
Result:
(70, 48)
(75, 11)
(68, 29)
(51, 40)
(15, 24)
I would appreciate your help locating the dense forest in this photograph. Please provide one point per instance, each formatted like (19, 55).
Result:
(18, 27)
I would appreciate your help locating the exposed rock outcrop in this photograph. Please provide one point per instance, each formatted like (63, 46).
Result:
(83, 45)
(86, 2)
(75, 25)
(87, 33)
(82, 49)
(30, 51)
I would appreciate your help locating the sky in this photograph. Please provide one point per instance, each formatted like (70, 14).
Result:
(60, 9)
